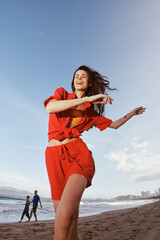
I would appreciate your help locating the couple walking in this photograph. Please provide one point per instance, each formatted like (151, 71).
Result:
(35, 201)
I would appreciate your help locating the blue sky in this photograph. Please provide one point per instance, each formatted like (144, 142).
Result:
(41, 45)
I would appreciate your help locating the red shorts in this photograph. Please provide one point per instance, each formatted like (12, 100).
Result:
(64, 160)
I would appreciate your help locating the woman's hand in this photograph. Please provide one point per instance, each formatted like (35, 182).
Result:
(100, 99)
(138, 111)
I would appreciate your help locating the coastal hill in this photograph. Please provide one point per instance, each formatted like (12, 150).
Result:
(13, 192)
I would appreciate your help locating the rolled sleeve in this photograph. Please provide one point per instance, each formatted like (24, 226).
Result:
(58, 95)
(102, 122)
(99, 121)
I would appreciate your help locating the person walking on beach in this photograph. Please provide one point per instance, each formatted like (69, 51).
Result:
(26, 209)
(35, 201)
(69, 162)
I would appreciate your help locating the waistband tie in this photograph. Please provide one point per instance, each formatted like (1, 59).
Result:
(71, 132)
(65, 154)
(67, 133)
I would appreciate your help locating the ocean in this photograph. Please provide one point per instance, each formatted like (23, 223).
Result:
(11, 208)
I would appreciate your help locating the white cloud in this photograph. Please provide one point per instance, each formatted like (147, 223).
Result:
(147, 178)
(135, 144)
(135, 157)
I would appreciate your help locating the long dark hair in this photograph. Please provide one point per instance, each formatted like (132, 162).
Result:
(97, 84)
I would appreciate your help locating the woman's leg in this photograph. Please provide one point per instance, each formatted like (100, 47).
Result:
(55, 203)
(66, 220)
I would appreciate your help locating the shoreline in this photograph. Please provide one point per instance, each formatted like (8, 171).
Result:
(88, 207)
(137, 223)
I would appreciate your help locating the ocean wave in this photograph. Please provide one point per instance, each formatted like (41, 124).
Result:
(113, 203)
(11, 198)
(11, 210)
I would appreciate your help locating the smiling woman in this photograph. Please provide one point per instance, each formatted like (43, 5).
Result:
(69, 162)
(96, 84)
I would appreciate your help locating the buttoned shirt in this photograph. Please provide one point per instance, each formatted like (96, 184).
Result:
(57, 126)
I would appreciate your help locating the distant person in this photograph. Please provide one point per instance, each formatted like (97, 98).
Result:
(35, 201)
(26, 209)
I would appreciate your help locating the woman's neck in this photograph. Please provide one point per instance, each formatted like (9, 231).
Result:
(80, 94)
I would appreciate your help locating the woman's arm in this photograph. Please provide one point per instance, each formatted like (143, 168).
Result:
(55, 106)
(116, 124)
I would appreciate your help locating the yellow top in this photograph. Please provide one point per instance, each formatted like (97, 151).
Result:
(75, 117)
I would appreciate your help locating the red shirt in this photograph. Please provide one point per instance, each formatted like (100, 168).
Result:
(58, 121)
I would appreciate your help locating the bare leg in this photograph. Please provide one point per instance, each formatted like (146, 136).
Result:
(35, 215)
(56, 203)
(67, 211)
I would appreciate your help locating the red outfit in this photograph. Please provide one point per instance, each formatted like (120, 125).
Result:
(74, 157)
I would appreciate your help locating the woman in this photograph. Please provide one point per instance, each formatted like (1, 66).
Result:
(70, 164)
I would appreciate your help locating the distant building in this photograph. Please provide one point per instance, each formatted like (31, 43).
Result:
(143, 194)
(131, 197)
(148, 193)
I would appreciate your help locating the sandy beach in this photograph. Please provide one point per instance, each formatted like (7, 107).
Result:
(140, 223)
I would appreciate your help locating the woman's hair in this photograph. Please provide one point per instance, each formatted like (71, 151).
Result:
(97, 84)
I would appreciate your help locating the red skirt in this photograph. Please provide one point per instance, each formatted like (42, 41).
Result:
(64, 160)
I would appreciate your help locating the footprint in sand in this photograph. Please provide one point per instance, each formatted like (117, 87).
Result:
(107, 229)
(132, 221)
(148, 228)
(87, 224)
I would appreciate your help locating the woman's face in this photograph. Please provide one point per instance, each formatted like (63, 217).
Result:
(81, 80)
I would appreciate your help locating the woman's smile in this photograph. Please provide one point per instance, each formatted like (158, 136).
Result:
(81, 80)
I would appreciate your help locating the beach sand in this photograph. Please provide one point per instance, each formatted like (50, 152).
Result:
(139, 223)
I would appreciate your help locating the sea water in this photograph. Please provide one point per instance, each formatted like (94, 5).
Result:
(11, 208)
